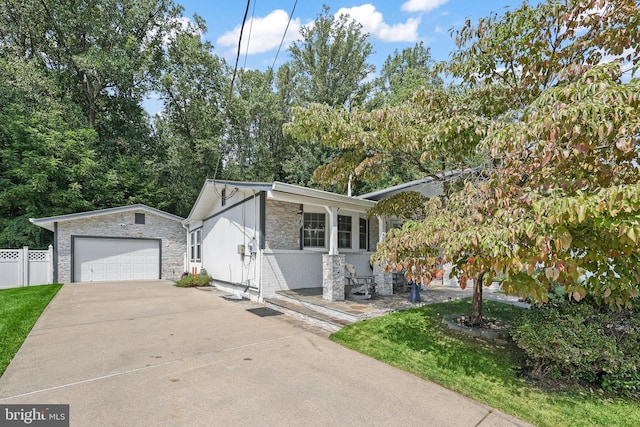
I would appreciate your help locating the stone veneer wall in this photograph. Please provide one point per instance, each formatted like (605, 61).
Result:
(333, 277)
(374, 234)
(281, 225)
(384, 281)
(171, 233)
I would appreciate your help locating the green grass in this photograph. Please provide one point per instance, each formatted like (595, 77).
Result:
(20, 308)
(416, 341)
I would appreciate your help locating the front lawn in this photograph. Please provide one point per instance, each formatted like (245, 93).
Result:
(20, 308)
(416, 341)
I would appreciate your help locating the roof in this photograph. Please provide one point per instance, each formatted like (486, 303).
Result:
(276, 190)
(49, 222)
(428, 187)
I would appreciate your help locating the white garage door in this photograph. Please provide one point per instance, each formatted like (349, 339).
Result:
(100, 259)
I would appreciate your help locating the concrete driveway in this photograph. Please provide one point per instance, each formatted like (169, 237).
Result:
(148, 353)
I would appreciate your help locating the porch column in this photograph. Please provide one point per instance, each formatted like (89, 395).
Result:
(384, 280)
(382, 229)
(333, 277)
(333, 229)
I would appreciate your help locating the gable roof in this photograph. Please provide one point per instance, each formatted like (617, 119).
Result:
(276, 190)
(428, 187)
(49, 222)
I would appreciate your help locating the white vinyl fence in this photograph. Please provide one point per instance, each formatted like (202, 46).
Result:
(25, 267)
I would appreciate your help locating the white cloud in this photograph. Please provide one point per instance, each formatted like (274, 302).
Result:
(422, 5)
(266, 33)
(373, 22)
(438, 29)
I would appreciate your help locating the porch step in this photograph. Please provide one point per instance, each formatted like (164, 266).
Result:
(339, 310)
(306, 314)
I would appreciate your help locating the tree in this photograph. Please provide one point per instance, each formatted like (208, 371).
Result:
(434, 131)
(195, 90)
(47, 158)
(403, 74)
(557, 201)
(98, 50)
(330, 63)
(560, 209)
(329, 67)
(560, 205)
(256, 117)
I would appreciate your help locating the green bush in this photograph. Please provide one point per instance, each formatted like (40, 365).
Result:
(583, 342)
(190, 281)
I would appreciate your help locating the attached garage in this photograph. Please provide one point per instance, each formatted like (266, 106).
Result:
(100, 259)
(134, 242)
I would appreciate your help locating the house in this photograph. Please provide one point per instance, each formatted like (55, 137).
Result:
(259, 238)
(122, 243)
(251, 237)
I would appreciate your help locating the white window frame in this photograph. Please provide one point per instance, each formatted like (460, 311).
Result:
(366, 235)
(348, 220)
(195, 245)
(304, 230)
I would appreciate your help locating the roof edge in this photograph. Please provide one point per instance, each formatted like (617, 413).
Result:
(48, 222)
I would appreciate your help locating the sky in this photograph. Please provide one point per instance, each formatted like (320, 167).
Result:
(393, 25)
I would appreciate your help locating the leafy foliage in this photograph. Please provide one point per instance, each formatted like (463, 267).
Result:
(47, 159)
(579, 341)
(190, 281)
(330, 62)
(562, 189)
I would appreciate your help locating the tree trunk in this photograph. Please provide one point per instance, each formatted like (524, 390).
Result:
(476, 305)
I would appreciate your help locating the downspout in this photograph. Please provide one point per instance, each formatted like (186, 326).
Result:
(185, 255)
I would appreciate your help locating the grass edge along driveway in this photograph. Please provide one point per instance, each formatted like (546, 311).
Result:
(20, 309)
(416, 341)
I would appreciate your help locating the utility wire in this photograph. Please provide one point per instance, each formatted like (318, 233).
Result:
(233, 78)
(246, 52)
(235, 68)
(285, 34)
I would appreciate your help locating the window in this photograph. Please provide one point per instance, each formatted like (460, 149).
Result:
(364, 234)
(314, 230)
(223, 197)
(344, 231)
(139, 218)
(195, 245)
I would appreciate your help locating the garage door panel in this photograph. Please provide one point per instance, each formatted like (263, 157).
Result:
(105, 259)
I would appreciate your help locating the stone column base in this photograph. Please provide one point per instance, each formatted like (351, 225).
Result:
(333, 277)
(384, 281)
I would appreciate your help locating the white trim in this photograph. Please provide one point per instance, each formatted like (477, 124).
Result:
(48, 223)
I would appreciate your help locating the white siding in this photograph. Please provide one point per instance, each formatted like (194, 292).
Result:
(290, 270)
(222, 234)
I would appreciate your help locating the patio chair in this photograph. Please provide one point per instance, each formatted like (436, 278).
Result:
(358, 287)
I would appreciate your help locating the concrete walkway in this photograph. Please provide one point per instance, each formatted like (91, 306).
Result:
(148, 353)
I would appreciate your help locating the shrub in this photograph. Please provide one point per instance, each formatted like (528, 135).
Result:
(583, 342)
(189, 280)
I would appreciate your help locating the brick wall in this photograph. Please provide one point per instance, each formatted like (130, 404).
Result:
(281, 225)
(172, 235)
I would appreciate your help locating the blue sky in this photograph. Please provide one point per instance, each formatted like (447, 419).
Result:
(392, 24)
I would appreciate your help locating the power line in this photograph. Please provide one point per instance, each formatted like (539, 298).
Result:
(235, 68)
(285, 33)
(246, 52)
(233, 78)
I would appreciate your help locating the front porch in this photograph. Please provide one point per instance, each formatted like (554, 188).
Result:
(308, 304)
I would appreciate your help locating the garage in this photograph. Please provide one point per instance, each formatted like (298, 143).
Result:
(134, 242)
(99, 259)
